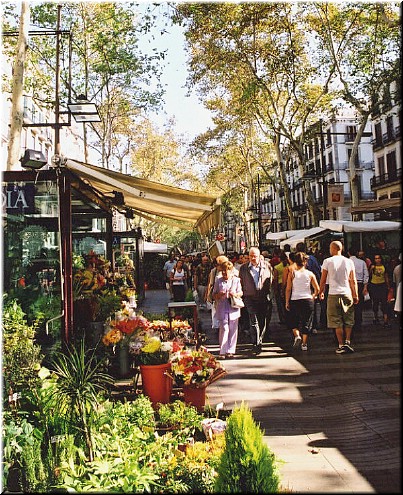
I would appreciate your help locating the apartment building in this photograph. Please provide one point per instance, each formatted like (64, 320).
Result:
(387, 149)
(327, 165)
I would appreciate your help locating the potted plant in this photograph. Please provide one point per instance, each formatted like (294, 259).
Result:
(180, 418)
(194, 370)
(150, 351)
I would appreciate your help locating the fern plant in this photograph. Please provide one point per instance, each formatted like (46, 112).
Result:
(247, 464)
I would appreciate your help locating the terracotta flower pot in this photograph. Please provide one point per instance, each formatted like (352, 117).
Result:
(195, 396)
(157, 385)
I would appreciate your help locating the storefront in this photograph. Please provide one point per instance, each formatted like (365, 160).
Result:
(50, 216)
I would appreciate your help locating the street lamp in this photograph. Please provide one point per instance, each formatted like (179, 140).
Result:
(83, 110)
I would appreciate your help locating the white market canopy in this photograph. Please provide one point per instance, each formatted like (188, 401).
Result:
(359, 226)
(301, 236)
(279, 236)
(155, 247)
(197, 211)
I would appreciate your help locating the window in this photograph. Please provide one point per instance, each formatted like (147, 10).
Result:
(378, 134)
(357, 161)
(391, 165)
(381, 166)
(330, 161)
(351, 132)
(389, 127)
(328, 138)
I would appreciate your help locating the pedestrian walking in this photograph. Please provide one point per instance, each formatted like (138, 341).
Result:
(397, 286)
(339, 271)
(378, 289)
(256, 280)
(362, 276)
(214, 273)
(167, 269)
(178, 281)
(278, 289)
(200, 280)
(313, 265)
(225, 287)
(301, 292)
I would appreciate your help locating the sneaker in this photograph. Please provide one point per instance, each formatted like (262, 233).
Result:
(304, 347)
(297, 341)
(341, 350)
(314, 330)
(387, 325)
(348, 347)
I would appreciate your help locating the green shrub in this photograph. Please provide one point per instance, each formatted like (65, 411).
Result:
(247, 465)
(21, 356)
(196, 471)
(22, 455)
(184, 419)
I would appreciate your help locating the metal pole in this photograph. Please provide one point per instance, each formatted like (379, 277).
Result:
(323, 170)
(259, 214)
(57, 83)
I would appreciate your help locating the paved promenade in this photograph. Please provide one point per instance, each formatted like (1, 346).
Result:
(333, 421)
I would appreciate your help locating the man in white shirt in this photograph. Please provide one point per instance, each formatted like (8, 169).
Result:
(343, 295)
(362, 276)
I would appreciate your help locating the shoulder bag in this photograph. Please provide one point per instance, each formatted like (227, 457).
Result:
(237, 302)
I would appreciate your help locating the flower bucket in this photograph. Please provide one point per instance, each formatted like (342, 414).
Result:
(157, 385)
(124, 361)
(195, 396)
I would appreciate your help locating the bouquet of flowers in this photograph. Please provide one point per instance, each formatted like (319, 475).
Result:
(198, 368)
(125, 327)
(153, 350)
(176, 329)
(143, 339)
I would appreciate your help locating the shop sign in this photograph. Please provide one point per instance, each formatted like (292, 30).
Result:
(18, 198)
(335, 195)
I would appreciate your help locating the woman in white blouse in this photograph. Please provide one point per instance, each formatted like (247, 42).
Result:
(178, 281)
(226, 286)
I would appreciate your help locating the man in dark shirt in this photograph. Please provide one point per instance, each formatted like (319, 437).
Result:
(200, 279)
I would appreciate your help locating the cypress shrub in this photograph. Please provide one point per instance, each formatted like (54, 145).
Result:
(247, 465)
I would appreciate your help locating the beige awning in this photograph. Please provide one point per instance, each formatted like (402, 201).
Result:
(194, 210)
(375, 206)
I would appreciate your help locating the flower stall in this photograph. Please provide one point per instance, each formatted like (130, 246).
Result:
(164, 353)
(53, 212)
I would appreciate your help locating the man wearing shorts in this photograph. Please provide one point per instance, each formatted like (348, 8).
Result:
(343, 294)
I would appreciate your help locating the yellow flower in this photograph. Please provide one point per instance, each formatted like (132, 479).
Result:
(153, 344)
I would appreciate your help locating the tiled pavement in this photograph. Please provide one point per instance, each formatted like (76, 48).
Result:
(332, 420)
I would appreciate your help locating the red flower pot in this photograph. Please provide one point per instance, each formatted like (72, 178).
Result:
(157, 385)
(195, 396)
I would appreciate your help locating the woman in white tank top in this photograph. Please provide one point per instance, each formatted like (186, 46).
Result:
(301, 291)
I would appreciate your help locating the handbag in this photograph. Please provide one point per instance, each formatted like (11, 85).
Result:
(236, 302)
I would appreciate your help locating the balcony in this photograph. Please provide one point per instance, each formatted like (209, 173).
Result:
(300, 208)
(385, 179)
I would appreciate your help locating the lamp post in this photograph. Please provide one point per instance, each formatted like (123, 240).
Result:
(323, 170)
(82, 110)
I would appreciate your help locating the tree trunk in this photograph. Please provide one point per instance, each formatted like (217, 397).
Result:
(284, 185)
(17, 107)
(354, 179)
